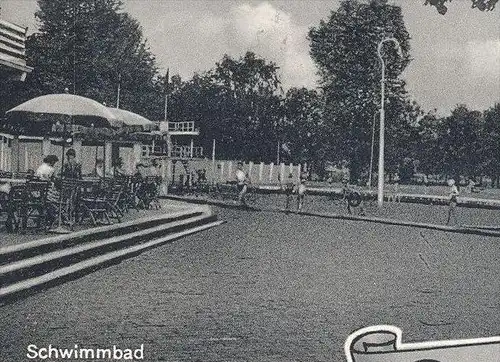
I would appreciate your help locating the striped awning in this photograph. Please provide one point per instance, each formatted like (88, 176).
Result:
(13, 51)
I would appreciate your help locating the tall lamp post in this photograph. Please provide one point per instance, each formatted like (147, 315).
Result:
(380, 195)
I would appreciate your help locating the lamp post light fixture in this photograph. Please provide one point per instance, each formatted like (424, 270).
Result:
(380, 194)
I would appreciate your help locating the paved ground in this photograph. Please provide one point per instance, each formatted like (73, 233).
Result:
(399, 211)
(7, 238)
(270, 287)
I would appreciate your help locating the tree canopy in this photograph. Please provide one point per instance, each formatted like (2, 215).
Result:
(345, 50)
(89, 47)
(239, 102)
(483, 5)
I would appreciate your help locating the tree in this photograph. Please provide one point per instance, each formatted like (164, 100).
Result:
(303, 127)
(89, 46)
(426, 144)
(250, 99)
(345, 50)
(483, 5)
(491, 142)
(461, 143)
(239, 103)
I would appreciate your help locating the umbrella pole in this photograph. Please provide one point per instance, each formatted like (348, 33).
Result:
(60, 228)
(104, 160)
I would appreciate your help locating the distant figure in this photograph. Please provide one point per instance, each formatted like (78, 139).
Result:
(118, 167)
(155, 168)
(242, 181)
(426, 184)
(396, 196)
(471, 186)
(46, 170)
(99, 168)
(72, 169)
(453, 195)
(30, 174)
(288, 189)
(139, 171)
(345, 174)
(4, 188)
(353, 198)
(301, 190)
(202, 175)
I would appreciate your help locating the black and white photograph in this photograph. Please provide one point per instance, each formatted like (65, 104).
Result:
(250, 180)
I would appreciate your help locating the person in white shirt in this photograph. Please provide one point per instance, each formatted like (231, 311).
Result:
(453, 202)
(242, 180)
(301, 190)
(46, 170)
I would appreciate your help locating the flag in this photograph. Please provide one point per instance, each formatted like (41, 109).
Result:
(285, 148)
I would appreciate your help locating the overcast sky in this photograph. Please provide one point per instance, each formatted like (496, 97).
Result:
(456, 57)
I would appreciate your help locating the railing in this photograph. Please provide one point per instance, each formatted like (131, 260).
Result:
(177, 151)
(187, 126)
(148, 150)
(185, 152)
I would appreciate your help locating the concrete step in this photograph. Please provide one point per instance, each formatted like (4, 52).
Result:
(21, 251)
(47, 261)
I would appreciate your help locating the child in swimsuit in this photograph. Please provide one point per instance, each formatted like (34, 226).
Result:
(301, 191)
(453, 202)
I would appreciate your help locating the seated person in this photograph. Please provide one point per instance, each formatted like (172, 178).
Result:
(99, 168)
(202, 175)
(46, 170)
(72, 169)
(155, 168)
(118, 167)
(4, 188)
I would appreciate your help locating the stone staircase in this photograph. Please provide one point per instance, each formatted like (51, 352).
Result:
(30, 266)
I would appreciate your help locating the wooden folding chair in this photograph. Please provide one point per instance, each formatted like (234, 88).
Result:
(13, 207)
(93, 204)
(112, 197)
(34, 204)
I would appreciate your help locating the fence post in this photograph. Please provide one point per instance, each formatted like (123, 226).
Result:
(261, 171)
(229, 170)
(1, 154)
(77, 146)
(222, 171)
(46, 146)
(137, 154)
(282, 172)
(108, 161)
(271, 167)
(165, 165)
(250, 167)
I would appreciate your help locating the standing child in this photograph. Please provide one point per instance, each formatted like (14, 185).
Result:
(301, 190)
(242, 181)
(288, 190)
(453, 202)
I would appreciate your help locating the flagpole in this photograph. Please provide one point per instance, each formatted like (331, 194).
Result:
(166, 107)
(166, 95)
(118, 93)
(213, 161)
(278, 154)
